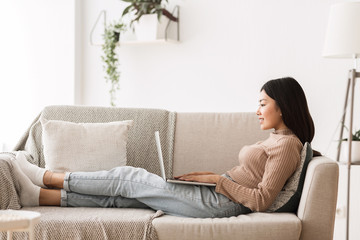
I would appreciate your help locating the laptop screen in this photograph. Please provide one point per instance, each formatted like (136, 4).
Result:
(161, 160)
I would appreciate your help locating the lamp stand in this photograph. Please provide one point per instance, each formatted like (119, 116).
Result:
(350, 86)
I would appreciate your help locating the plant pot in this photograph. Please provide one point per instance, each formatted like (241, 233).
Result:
(148, 28)
(355, 151)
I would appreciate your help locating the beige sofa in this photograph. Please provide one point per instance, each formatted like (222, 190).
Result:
(215, 145)
(211, 142)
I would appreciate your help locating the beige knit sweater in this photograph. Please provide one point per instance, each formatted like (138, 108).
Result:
(263, 170)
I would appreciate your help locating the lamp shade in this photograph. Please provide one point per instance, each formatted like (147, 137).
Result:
(343, 31)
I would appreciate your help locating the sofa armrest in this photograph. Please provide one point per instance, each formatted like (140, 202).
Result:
(318, 201)
(9, 198)
(6, 156)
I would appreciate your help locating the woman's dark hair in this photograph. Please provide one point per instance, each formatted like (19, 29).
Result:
(290, 97)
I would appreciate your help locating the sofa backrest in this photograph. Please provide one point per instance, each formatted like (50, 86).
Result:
(212, 141)
(141, 147)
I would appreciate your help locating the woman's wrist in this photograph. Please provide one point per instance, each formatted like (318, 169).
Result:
(217, 178)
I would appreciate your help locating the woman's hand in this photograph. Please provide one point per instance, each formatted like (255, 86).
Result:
(205, 177)
(195, 173)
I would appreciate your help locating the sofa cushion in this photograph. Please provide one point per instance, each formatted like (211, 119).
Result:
(92, 223)
(73, 147)
(141, 147)
(280, 226)
(212, 141)
(289, 197)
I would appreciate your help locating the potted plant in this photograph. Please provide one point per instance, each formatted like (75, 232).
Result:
(355, 147)
(111, 62)
(147, 18)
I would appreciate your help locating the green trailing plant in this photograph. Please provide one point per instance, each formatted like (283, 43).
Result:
(142, 7)
(111, 38)
(355, 135)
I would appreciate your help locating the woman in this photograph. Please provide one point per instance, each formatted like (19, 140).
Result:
(252, 186)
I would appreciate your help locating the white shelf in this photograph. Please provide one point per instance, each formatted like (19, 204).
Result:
(136, 42)
(352, 163)
(171, 36)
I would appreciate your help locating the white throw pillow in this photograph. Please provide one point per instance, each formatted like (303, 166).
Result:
(70, 147)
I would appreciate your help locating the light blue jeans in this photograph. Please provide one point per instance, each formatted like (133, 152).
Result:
(129, 187)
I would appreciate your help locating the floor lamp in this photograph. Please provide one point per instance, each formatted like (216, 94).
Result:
(343, 41)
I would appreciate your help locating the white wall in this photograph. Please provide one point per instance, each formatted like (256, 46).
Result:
(37, 62)
(228, 49)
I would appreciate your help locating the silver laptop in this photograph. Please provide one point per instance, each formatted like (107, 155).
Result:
(162, 168)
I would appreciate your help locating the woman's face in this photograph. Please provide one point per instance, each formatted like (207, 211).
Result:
(269, 113)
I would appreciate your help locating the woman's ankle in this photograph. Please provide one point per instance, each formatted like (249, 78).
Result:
(49, 197)
(54, 180)
(47, 178)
